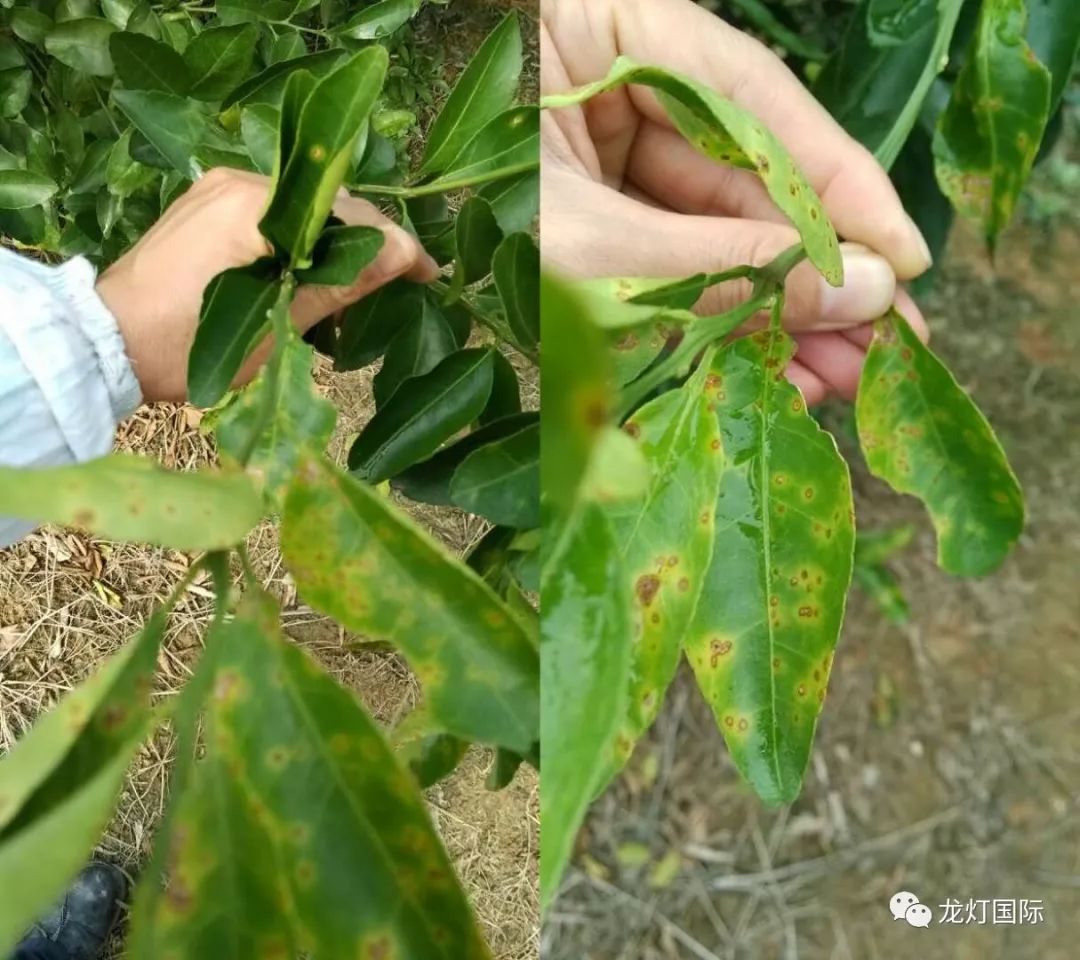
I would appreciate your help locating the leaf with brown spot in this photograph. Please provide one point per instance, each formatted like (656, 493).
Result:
(773, 601)
(925, 436)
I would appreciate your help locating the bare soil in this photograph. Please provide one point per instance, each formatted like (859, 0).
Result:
(948, 755)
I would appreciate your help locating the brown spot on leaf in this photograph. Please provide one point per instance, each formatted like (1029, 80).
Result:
(743, 724)
(631, 429)
(684, 584)
(627, 342)
(646, 588)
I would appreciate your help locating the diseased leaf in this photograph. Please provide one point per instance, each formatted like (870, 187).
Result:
(255, 868)
(132, 498)
(585, 644)
(357, 559)
(516, 266)
(769, 616)
(235, 318)
(484, 90)
(665, 539)
(507, 146)
(429, 480)
(219, 58)
(987, 138)
(501, 481)
(174, 125)
(301, 421)
(922, 434)
(416, 421)
(421, 345)
(83, 45)
(728, 134)
(146, 64)
(329, 123)
(341, 253)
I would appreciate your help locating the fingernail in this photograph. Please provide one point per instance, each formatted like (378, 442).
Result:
(920, 242)
(867, 293)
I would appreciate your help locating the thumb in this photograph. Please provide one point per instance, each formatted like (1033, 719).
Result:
(596, 231)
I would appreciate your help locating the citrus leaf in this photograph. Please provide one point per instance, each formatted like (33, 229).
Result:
(924, 435)
(301, 421)
(507, 146)
(235, 318)
(483, 91)
(987, 138)
(132, 498)
(1053, 31)
(515, 201)
(370, 324)
(379, 20)
(516, 266)
(418, 347)
(269, 86)
(728, 134)
(501, 481)
(219, 59)
(665, 539)
(357, 559)
(761, 641)
(259, 126)
(83, 45)
(174, 125)
(429, 481)
(327, 128)
(341, 253)
(146, 64)
(505, 399)
(585, 644)
(21, 189)
(415, 422)
(477, 236)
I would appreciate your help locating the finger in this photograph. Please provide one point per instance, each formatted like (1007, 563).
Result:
(861, 336)
(856, 192)
(834, 359)
(813, 388)
(593, 231)
(399, 242)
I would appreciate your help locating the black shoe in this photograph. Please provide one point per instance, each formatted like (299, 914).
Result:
(81, 923)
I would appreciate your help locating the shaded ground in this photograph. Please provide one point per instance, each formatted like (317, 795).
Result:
(67, 602)
(948, 755)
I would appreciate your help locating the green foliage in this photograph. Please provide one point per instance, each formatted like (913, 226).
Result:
(293, 827)
(737, 546)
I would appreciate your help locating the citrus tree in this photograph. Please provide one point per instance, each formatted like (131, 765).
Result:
(693, 505)
(294, 825)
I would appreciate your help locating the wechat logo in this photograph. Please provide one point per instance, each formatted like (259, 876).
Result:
(906, 906)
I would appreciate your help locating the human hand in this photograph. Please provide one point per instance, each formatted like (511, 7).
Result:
(155, 290)
(625, 195)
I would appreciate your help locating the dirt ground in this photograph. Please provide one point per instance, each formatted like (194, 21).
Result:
(947, 761)
(68, 601)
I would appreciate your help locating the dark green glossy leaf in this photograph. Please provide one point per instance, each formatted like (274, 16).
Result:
(301, 421)
(234, 320)
(1053, 32)
(505, 399)
(379, 20)
(145, 64)
(83, 45)
(769, 617)
(357, 559)
(501, 481)
(421, 345)
(269, 86)
(174, 125)
(341, 253)
(508, 146)
(516, 265)
(515, 201)
(923, 435)
(477, 236)
(665, 539)
(298, 90)
(258, 865)
(876, 83)
(585, 656)
(483, 91)
(219, 59)
(429, 481)
(434, 758)
(329, 123)
(503, 769)
(20, 189)
(132, 498)
(728, 134)
(987, 138)
(419, 419)
(371, 324)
